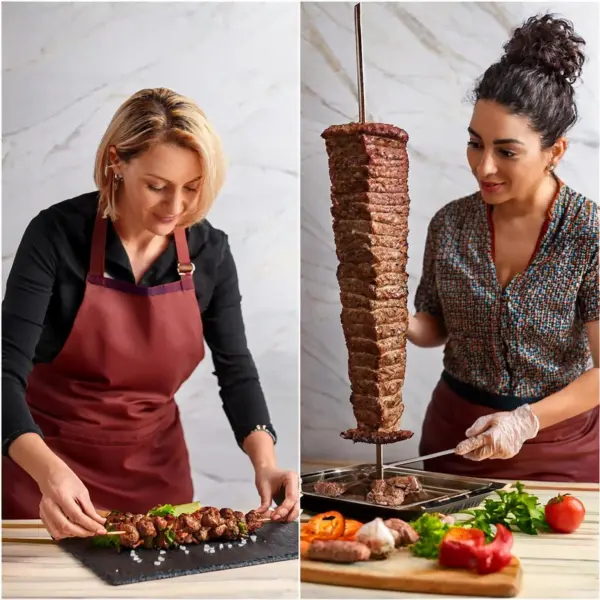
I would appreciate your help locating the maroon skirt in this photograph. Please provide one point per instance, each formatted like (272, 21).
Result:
(567, 451)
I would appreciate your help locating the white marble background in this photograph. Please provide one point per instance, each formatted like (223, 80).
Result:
(66, 69)
(421, 60)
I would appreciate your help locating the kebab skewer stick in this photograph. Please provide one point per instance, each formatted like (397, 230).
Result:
(360, 78)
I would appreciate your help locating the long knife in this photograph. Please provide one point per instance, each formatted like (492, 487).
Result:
(408, 461)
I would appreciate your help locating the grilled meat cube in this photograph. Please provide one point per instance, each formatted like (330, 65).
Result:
(211, 517)
(190, 522)
(202, 535)
(145, 525)
(131, 537)
(217, 532)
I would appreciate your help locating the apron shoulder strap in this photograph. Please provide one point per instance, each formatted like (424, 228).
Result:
(185, 267)
(98, 246)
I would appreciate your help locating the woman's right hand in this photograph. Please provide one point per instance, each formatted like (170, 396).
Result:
(66, 509)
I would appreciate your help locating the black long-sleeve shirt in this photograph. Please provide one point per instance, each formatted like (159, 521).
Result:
(45, 289)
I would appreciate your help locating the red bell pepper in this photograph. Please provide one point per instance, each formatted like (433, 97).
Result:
(464, 548)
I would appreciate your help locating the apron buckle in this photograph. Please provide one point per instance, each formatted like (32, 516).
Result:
(185, 268)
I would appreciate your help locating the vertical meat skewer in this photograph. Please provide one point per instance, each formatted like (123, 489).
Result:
(360, 79)
(368, 167)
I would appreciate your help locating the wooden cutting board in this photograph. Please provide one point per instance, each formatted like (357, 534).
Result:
(402, 572)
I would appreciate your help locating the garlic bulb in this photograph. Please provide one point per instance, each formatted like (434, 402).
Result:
(377, 537)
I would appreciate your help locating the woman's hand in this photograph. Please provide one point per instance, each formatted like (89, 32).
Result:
(426, 331)
(269, 480)
(66, 509)
(500, 435)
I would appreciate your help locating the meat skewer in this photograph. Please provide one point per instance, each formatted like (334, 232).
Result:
(368, 169)
(204, 525)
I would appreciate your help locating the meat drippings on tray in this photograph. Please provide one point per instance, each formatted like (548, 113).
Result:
(368, 169)
(204, 525)
(385, 492)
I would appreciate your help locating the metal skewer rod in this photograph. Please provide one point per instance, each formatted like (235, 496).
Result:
(360, 78)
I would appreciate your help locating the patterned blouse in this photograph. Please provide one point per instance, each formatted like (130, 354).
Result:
(528, 340)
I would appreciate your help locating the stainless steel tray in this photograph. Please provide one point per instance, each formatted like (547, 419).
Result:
(441, 493)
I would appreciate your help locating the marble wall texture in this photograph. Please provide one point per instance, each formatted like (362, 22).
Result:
(420, 62)
(66, 69)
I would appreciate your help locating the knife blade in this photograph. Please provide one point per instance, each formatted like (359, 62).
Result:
(408, 461)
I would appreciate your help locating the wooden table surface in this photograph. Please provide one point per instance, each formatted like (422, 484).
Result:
(554, 565)
(47, 571)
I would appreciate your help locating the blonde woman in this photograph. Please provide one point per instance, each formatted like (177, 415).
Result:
(107, 306)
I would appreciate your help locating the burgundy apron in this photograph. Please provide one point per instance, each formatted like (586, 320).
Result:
(567, 451)
(106, 403)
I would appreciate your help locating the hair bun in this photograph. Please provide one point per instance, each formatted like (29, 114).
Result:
(547, 43)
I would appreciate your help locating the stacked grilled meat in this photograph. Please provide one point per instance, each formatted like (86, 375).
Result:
(368, 168)
(204, 525)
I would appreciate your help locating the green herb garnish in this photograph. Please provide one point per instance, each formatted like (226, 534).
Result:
(515, 510)
(431, 530)
(242, 527)
(161, 511)
(107, 541)
(170, 536)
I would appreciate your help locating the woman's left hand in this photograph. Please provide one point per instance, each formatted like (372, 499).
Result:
(500, 435)
(269, 480)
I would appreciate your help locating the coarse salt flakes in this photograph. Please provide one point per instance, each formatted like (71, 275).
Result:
(187, 551)
(229, 545)
(253, 538)
(183, 547)
(220, 546)
(161, 558)
(162, 552)
(156, 563)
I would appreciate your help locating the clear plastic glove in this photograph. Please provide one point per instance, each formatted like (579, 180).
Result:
(500, 435)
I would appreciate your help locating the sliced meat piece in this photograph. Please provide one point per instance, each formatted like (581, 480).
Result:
(409, 482)
(367, 289)
(380, 130)
(333, 489)
(367, 436)
(378, 389)
(375, 317)
(383, 494)
(357, 186)
(377, 348)
(388, 359)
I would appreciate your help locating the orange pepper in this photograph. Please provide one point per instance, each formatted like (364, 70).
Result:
(326, 526)
(351, 529)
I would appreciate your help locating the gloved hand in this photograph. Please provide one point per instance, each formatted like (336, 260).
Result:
(500, 435)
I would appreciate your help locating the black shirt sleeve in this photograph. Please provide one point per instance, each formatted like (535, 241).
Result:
(243, 399)
(28, 292)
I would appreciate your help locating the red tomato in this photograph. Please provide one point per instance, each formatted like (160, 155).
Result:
(564, 513)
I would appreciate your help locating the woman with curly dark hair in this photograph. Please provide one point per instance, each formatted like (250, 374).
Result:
(510, 280)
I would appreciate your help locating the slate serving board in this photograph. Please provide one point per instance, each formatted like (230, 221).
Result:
(275, 542)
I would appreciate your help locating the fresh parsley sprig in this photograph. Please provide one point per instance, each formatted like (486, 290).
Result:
(431, 530)
(516, 510)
